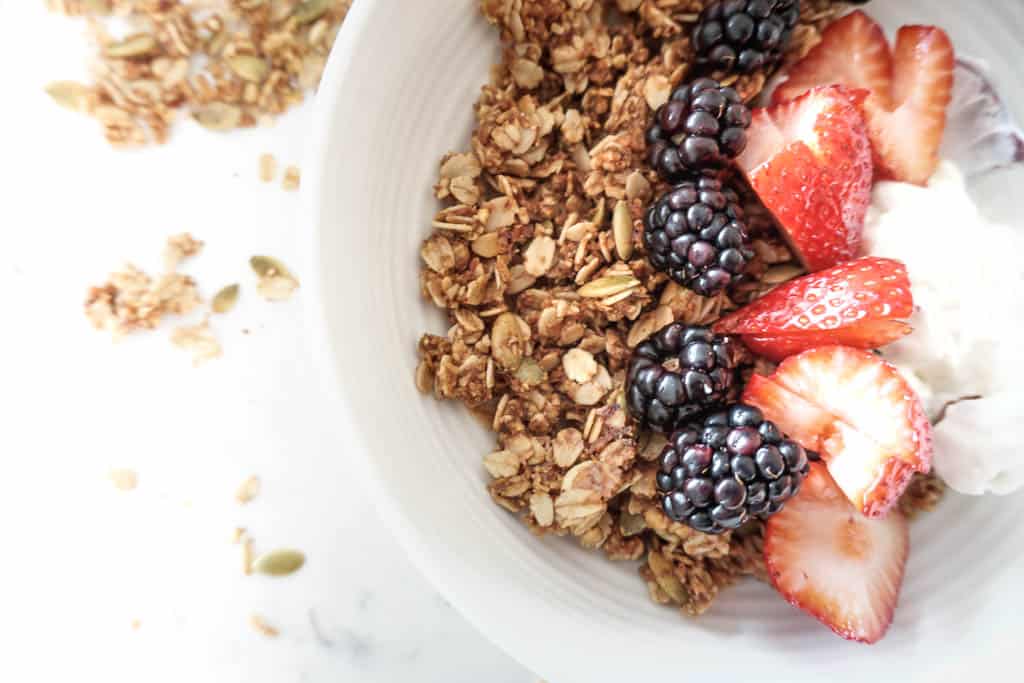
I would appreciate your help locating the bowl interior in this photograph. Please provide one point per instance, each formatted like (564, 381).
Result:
(398, 95)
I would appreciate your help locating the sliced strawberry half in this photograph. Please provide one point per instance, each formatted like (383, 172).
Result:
(809, 161)
(835, 564)
(853, 52)
(858, 412)
(858, 304)
(907, 136)
(871, 334)
(910, 87)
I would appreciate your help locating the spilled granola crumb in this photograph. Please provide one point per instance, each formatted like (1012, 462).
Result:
(199, 340)
(261, 625)
(249, 489)
(124, 479)
(292, 178)
(268, 167)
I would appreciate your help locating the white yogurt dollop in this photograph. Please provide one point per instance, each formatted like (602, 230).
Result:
(967, 277)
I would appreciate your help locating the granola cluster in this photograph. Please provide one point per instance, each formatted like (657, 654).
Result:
(229, 63)
(537, 259)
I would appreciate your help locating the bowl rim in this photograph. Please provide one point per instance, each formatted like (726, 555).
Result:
(339, 69)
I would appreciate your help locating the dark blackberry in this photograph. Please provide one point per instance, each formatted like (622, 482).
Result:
(717, 475)
(695, 233)
(744, 35)
(698, 131)
(682, 372)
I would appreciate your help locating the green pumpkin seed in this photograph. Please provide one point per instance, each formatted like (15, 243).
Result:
(310, 10)
(225, 299)
(279, 562)
(249, 68)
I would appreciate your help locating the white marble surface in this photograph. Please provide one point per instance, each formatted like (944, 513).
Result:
(82, 561)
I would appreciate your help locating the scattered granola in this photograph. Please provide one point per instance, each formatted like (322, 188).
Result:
(537, 259)
(261, 625)
(178, 248)
(249, 489)
(199, 339)
(124, 479)
(268, 167)
(243, 539)
(292, 178)
(229, 63)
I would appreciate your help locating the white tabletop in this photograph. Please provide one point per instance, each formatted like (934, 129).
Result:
(82, 560)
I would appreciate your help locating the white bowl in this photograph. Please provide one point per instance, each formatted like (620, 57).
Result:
(397, 94)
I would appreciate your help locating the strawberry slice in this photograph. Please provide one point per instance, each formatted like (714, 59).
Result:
(910, 87)
(871, 334)
(907, 137)
(809, 161)
(858, 412)
(856, 304)
(853, 52)
(840, 567)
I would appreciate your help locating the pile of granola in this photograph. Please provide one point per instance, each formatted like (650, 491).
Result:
(537, 260)
(229, 63)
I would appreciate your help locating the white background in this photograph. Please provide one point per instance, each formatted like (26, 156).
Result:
(80, 561)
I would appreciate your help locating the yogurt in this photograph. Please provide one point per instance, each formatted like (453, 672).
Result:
(967, 277)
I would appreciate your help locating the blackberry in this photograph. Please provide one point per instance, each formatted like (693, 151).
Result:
(695, 233)
(744, 35)
(717, 475)
(698, 131)
(681, 372)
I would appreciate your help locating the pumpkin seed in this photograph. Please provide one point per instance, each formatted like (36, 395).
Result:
(310, 10)
(279, 562)
(225, 299)
(268, 266)
(218, 116)
(607, 286)
(139, 45)
(622, 230)
(249, 68)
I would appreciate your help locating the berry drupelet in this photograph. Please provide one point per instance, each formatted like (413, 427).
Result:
(717, 475)
(698, 131)
(744, 35)
(682, 372)
(696, 234)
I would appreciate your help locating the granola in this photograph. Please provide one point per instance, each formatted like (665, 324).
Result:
(228, 63)
(536, 258)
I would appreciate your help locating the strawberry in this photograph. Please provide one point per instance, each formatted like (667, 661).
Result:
(853, 52)
(907, 137)
(871, 334)
(856, 304)
(809, 161)
(835, 564)
(858, 412)
(910, 87)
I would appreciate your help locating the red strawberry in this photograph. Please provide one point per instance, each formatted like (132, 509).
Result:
(853, 52)
(856, 304)
(911, 86)
(809, 161)
(858, 412)
(835, 564)
(872, 334)
(907, 137)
